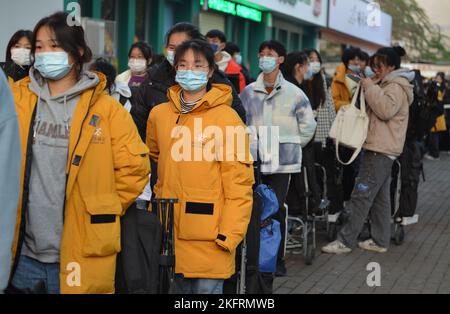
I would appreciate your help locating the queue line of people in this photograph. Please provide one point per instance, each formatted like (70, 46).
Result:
(87, 156)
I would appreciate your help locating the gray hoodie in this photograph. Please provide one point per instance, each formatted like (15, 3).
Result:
(10, 155)
(388, 112)
(44, 218)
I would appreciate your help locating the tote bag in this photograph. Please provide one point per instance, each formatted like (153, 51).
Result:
(350, 127)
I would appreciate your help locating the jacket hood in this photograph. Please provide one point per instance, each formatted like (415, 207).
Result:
(122, 89)
(218, 95)
(403, 77)
(88, 80)
(223, 64)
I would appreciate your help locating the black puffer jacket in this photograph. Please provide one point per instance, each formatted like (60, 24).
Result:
(14, 71)
(154, 92)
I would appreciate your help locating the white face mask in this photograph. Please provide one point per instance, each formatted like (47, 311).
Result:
(171, 56)
(137, 65)
(21, 56)
(315, 67)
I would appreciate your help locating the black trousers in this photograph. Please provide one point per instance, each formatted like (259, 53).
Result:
(280, 184)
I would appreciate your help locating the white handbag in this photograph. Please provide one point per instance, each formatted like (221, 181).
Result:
(350, 127)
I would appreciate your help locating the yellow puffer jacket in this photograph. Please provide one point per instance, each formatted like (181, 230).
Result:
(107, 169)
(339, 89)
(215, 197)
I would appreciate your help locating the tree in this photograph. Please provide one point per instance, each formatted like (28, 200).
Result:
(413, 29)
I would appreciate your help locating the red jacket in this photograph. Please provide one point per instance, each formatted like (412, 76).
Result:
(234, 68)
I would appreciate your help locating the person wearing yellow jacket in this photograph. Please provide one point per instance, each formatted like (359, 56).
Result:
(83, 164)
(202, 150)
(342, 86)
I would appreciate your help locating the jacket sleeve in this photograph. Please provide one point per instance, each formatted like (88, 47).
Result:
(306, 122)
(385, 102)
(338, 98)
(10, 157)
(237, 180)
(131, 162)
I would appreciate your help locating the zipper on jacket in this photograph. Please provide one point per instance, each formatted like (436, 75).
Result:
(70, 160)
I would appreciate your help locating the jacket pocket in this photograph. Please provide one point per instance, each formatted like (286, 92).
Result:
(290, 150)
(102, 225)
(199, 215)
(138, 151)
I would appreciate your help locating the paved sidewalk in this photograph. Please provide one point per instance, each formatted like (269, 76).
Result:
(420, 265)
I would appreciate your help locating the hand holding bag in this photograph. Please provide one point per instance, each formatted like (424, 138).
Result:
(350, 127)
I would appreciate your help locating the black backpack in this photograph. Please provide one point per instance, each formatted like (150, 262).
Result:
(422, 114)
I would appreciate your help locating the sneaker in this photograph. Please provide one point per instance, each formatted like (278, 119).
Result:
(370, 245)
(336, 247)
(429, 157)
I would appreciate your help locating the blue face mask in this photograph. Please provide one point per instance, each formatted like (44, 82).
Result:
(238, 59)
(369, 72)
(215, 48)
(308, 75)
(354, 68)
(192, 81)
(52, 65)
(267, 64)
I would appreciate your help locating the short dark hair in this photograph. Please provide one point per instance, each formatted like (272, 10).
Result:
(15, 39)
(145, 48)
(441, 75)
(364, 56)
(350, 54)
(70, 38)
(215, 33)
(390, 56)
(232, 48)
(198, 47)
(275, 46)
(189, 29)
(104, 66)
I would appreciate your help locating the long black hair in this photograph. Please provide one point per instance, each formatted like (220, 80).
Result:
(288, 67)
(15, 39)
(314, 88)
(70, 38)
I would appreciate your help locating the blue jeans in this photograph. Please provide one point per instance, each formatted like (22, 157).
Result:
(32, 276)
(197, 286)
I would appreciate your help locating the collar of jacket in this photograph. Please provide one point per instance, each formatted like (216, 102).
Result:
(261, 88)
(219, 94)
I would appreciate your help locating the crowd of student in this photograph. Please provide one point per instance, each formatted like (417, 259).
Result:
(78, 143)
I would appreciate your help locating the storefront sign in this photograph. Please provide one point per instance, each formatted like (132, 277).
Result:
(311, 11)
(235, 9)
(361, 19)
